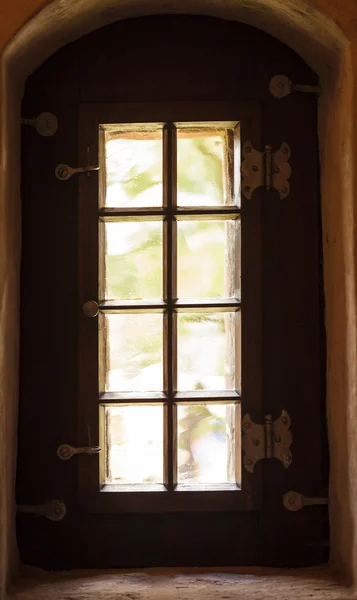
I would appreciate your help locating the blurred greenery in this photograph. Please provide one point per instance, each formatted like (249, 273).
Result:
(204, 450)
(137, 273)
(200, 168)
(123, 167)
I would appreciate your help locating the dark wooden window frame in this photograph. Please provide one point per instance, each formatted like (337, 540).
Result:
(169, 497)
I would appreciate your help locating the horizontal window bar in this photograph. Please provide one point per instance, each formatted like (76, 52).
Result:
(159, 306)
(198, 213)
(134, 487)
(207, 487)
(159, 213)
(136, 131)
(135, 397)
(205, 305)
(199, 397)
(132, 306)
(207, 396)
(205, 126)
(157, 487)
(110, 215)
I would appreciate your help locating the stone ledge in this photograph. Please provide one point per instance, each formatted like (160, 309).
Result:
(230, 583)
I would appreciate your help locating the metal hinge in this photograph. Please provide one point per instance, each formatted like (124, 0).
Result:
(66, 451)
(54, 511)
(281, 86)
(269, 440)
(269, 169)
(64, 172)
(294, 501)
(46, 124)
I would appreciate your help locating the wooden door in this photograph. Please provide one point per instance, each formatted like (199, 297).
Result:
(141, 72)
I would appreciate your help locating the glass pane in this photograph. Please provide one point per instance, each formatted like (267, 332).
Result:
(132, 352)
(206, 167)
(207, 255)
(133, 168)
(134, 444)
(206, 443)
(133, 260)
(208, 350)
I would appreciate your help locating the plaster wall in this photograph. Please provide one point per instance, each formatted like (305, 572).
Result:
(324, 33)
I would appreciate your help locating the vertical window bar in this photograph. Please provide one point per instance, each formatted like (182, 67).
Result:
(170, 294)
(228, 167)
(102, 341)
(102, 275)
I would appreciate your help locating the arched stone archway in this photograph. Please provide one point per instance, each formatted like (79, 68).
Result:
(302, 27)
(318, 39)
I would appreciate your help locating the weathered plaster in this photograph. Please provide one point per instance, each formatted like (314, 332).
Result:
(324, 33)
(337, 189)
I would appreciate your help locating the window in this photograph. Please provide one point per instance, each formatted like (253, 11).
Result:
(169, 301)
(132, 513)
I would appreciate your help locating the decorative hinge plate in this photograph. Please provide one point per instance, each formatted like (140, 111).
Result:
(269, 169)
(270, 440)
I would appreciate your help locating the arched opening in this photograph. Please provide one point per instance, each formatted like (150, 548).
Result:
(322, 45)
(186, 93)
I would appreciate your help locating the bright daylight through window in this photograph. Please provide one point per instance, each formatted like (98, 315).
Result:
(170, 320)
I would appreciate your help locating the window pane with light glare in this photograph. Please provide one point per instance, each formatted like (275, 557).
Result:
(134, 444)
(133, 168)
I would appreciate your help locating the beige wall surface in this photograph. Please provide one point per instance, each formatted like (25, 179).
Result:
(324, 33)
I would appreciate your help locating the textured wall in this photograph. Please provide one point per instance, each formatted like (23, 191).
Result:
(324, 33)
